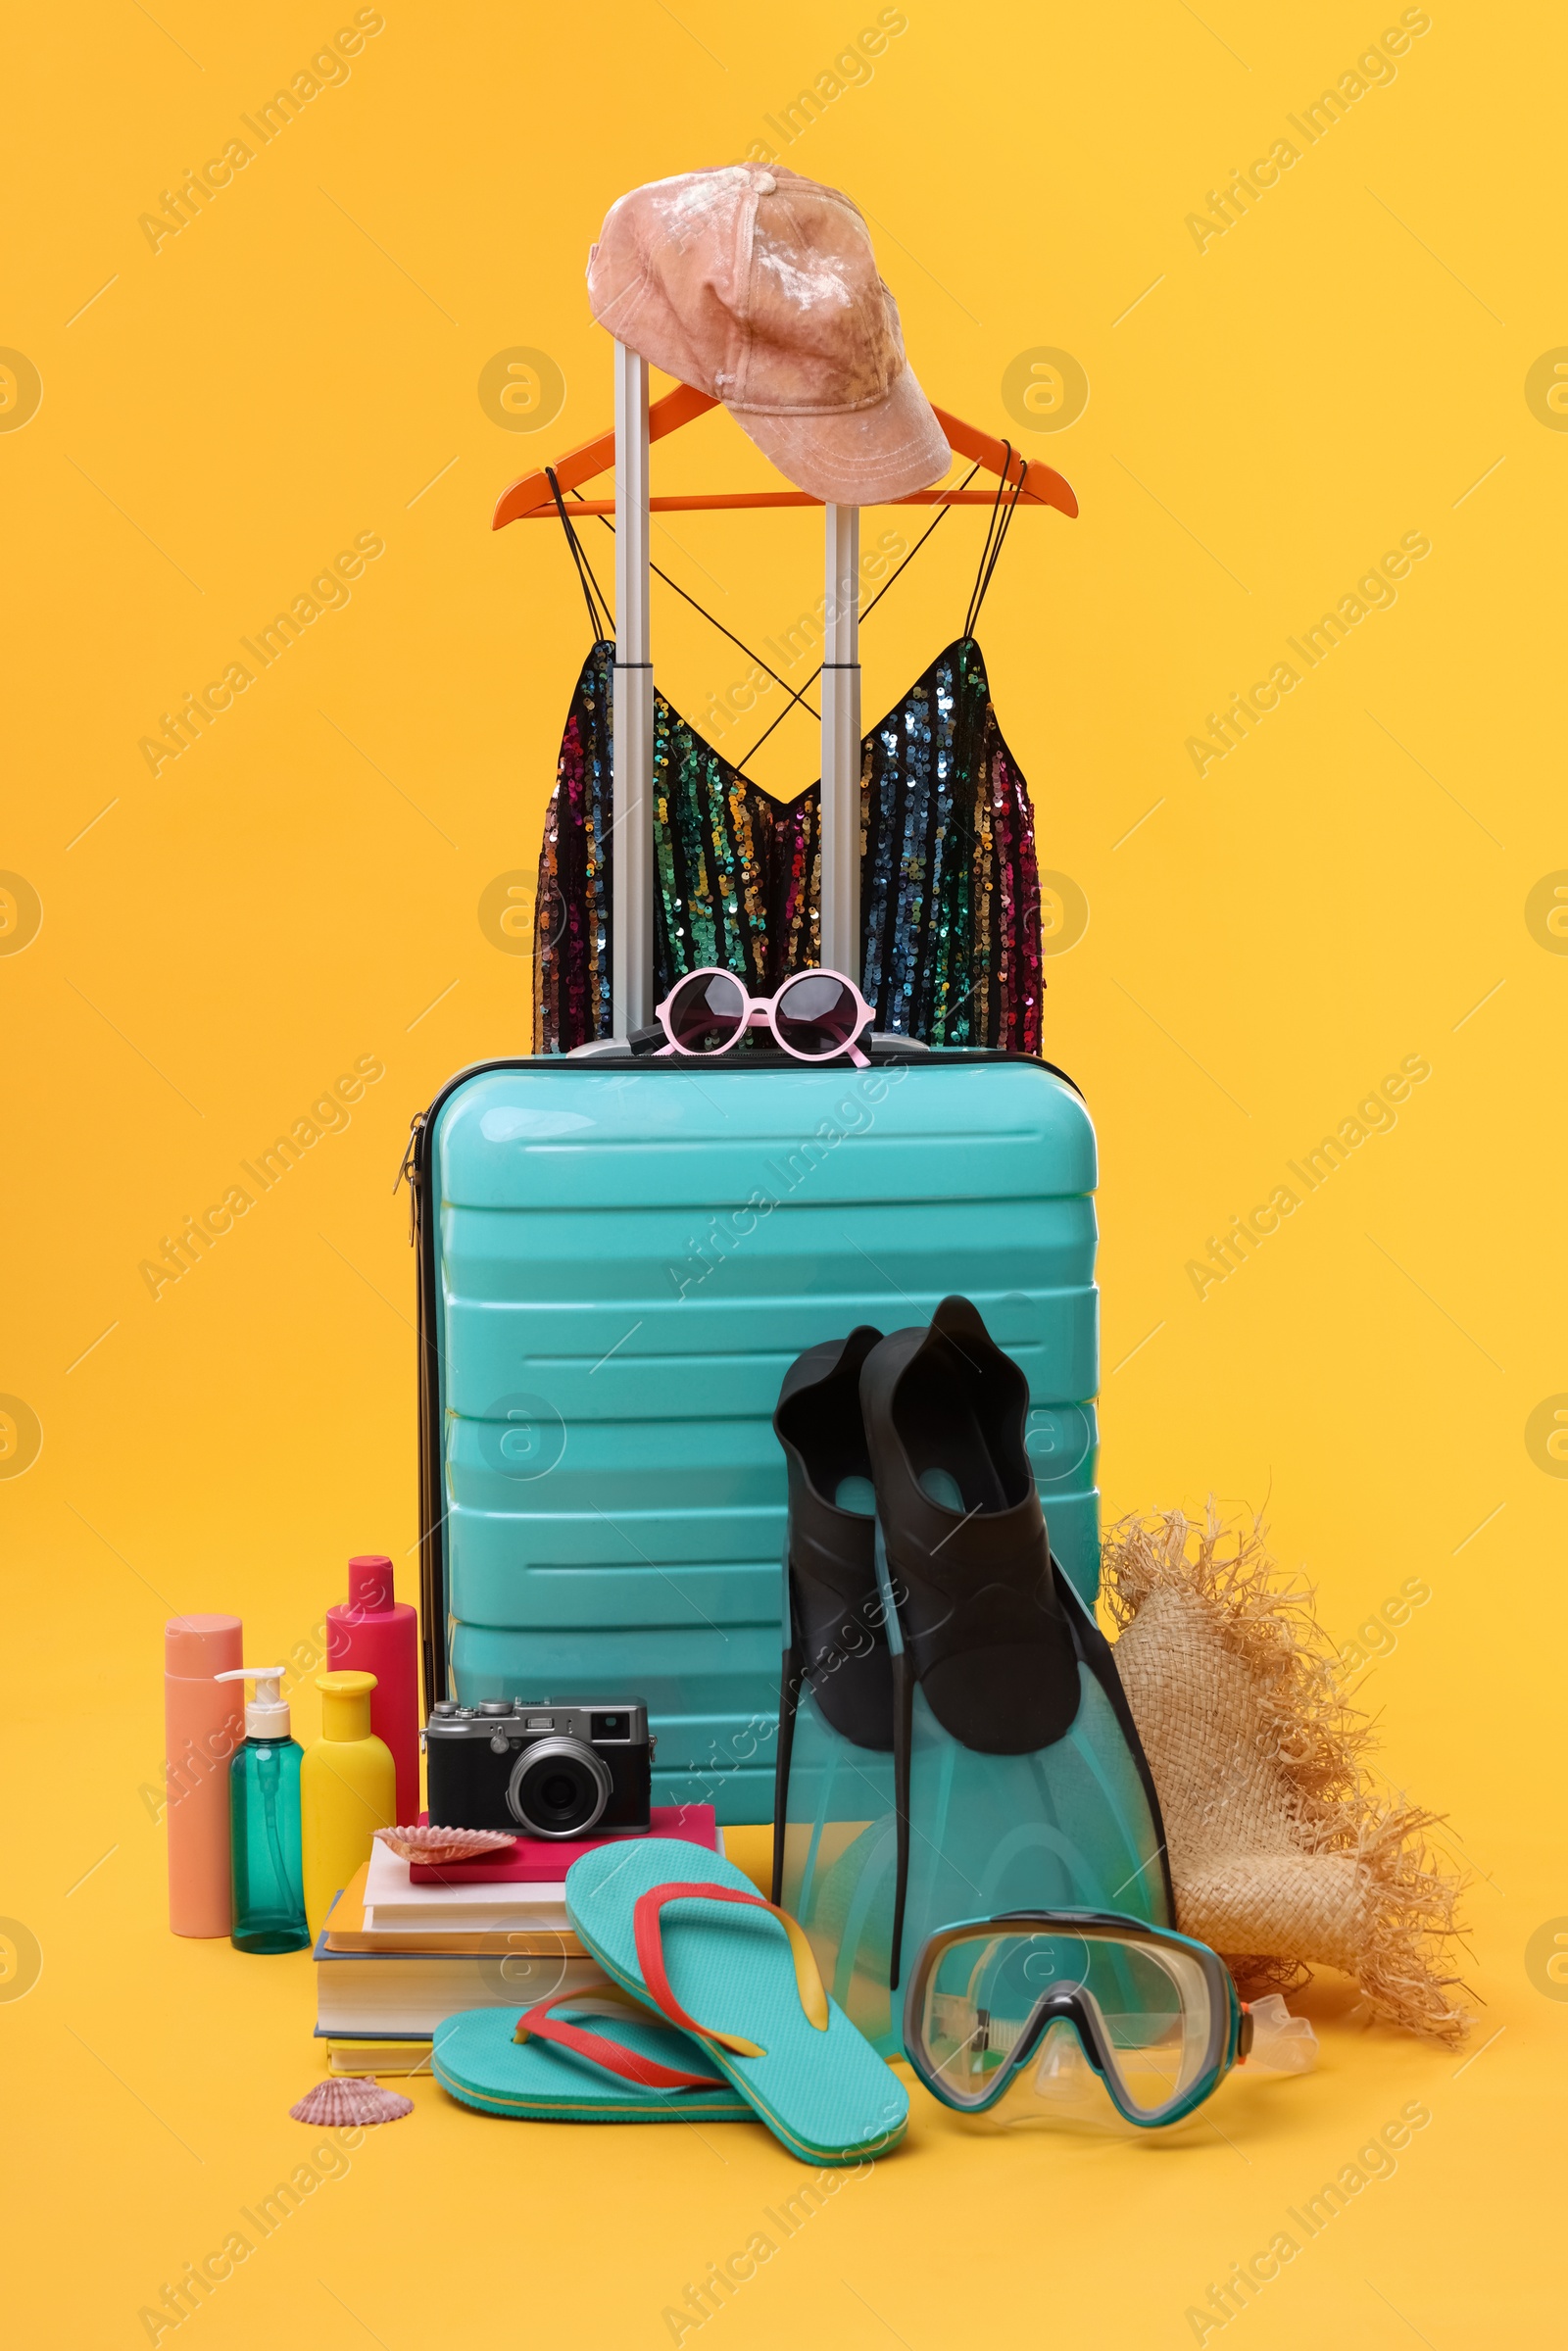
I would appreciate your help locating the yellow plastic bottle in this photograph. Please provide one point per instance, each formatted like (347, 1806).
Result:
(347, 1790)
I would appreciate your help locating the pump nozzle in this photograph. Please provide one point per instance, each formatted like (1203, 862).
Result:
(266, 1715)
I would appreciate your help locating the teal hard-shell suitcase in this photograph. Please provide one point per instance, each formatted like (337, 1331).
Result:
(619, 1259)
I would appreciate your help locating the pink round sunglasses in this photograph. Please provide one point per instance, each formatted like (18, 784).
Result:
(814, 1016)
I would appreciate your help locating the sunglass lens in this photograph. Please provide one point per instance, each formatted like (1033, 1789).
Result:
(706, 1012)
(817, 1016)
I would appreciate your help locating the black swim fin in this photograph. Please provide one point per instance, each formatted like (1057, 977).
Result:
(834, 1636)
(835, 1620)
(979, 1620)
(967, 1552)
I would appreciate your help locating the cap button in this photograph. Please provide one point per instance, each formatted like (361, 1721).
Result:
(768, 185)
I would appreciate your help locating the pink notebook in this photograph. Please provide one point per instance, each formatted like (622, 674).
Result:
(547, 1859)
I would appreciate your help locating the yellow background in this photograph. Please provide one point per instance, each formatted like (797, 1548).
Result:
(301, 887)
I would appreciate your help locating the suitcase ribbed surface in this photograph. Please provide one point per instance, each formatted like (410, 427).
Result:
(626, 1262)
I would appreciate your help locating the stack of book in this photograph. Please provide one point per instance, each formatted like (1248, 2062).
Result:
(398, 1956)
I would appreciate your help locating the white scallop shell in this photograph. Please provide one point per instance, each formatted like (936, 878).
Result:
(352, 2099)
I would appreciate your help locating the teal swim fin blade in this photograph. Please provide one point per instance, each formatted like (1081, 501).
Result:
(1013, 1776)
(1074, 1825)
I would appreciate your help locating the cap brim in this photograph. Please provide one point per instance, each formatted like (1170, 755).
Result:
(862, 457)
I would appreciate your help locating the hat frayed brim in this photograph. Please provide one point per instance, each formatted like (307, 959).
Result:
(861, 457)
(1284, 1852)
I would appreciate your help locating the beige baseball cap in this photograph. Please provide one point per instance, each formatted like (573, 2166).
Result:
(760, 288)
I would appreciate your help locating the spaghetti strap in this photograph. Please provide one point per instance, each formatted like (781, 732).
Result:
(585, 575)
(915, 549)
(901, 565)
(996, 533)
(715, 622)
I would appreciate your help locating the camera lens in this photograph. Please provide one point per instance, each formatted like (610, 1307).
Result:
(559, 1787)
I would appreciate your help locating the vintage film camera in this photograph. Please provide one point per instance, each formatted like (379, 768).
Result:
(540, 1771)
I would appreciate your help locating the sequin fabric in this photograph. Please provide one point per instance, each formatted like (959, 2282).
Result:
(571, 903)
(950, 900)
(950, 891)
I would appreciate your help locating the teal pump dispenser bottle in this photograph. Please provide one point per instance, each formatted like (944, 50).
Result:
(263, 1798)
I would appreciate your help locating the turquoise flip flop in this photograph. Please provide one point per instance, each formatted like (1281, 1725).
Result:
(682, 1931)
(575, 2064)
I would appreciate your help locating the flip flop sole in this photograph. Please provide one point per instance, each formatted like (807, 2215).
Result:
(826, 2096)
(476, 2061)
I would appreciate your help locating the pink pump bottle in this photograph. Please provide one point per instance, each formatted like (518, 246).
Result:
(374, 1633)
(204, 1722)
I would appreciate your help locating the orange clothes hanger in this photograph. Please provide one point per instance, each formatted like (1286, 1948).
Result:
(530, 498)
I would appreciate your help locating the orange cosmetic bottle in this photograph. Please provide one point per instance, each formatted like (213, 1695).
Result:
(204, 1722)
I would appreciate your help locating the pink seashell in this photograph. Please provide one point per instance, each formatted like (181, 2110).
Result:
(445, 1845)
(352, 2099)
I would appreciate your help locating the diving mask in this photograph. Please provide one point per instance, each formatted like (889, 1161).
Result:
(1014, 2017)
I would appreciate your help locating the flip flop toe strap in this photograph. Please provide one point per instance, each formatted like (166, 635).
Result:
(611, 2056)
(648, 1928)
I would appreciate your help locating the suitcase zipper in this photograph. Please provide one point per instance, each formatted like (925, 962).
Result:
(432, 1556)
(409, 1171)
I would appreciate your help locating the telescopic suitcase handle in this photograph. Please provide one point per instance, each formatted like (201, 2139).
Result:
(631, 978)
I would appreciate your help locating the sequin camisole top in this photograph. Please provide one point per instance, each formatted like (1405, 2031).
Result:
(949, 896)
